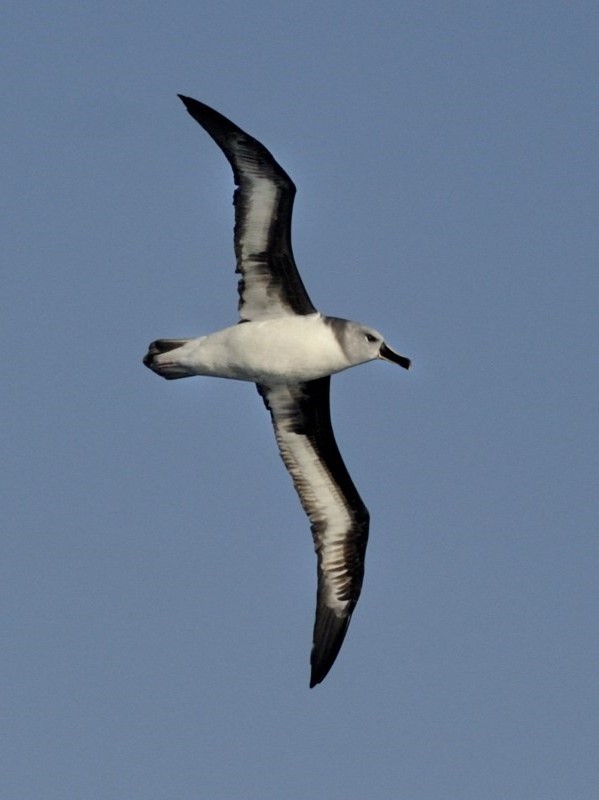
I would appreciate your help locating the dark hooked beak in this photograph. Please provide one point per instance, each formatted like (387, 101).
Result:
(388, 354)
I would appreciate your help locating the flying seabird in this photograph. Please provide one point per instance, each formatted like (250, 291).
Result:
(289, 350)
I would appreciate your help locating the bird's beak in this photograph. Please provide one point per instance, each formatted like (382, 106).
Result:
(388, 354)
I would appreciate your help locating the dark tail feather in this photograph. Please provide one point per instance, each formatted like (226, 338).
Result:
(170, 370)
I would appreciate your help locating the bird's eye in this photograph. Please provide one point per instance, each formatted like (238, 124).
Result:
(369, 337)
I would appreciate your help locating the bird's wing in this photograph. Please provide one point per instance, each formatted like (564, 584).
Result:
(339, 519)
(270, 284)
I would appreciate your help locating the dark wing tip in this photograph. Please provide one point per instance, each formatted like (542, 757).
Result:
(189, 102)
(329, 633)
(206, 115)
(233, 141)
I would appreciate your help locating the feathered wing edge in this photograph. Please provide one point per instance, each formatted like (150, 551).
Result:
(339, 519)
(270, 284)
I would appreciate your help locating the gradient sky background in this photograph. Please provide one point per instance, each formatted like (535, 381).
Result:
(157, 572)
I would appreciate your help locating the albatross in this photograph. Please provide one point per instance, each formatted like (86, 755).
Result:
(284, 345)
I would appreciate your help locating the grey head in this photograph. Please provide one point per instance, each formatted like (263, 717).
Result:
(361, 343)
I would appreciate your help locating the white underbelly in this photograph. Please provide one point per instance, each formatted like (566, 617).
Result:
(281, 350)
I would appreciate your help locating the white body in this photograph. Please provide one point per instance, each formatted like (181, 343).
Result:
(287, 349)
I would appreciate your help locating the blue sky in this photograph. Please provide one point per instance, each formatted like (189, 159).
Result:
(157, 574)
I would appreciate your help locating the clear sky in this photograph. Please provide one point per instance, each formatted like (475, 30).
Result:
(157, 573)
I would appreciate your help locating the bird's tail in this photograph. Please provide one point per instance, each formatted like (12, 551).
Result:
(165, 365)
